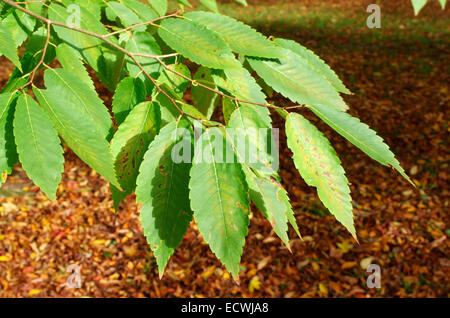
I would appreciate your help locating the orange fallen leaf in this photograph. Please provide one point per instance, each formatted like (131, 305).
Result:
(348, 265)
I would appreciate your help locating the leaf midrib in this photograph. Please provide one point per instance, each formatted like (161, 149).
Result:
(218, 187)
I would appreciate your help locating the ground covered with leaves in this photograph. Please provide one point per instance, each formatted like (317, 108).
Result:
(400, 77)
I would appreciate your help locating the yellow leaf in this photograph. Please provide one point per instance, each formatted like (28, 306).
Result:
(255, 284)
(208, 272)
(316, 266)
(99, 242)
(252, 272)
(5, 258)
(365, 262)
(4, 176)
(323, 289)
(34, 292)
(344, 246)
(114, 276)
(308, 294)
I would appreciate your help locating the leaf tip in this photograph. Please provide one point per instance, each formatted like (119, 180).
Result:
(288, 246)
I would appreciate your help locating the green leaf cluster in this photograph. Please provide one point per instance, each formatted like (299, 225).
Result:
(178, 85)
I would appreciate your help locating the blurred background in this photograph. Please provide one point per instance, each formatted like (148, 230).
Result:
(400, 77)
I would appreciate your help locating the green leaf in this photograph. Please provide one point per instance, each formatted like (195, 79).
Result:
(282, 195)
(94, 7)
(127, 16)
(210, 4)
(8, 152)
(162, 191)
(268, 195)
(35, 46)
(71, 61)
(316, 62)
(295, 79)
(240, 37)
(19, 26)
(418, 5)
(38, 145)
(197, 43)
(20, 77)
(191, 110)
(130, 92)
(443, 2)
(131, 141)
(183, 3)
(168, 111)
(219, 200)
(78, 130)
(35, 7)
(320, 167)
(360, 135)
(144, 43)
(240, 84)
(88, 46)
(204, 100)
(243, 86)
(14, 83)
(76, 92)
(264, 193)
(144, 11)
(176, 84)
(117, 196)
(254, 124)
(228, 107)
(6, 49)
(111, 67)
(159, 5)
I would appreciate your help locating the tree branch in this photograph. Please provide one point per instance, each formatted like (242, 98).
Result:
(104, 38)
(41, 61)
(144, 23)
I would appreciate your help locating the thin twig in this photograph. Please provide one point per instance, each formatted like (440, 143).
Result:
(41, 61)
(176, 14)
(155, 56)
